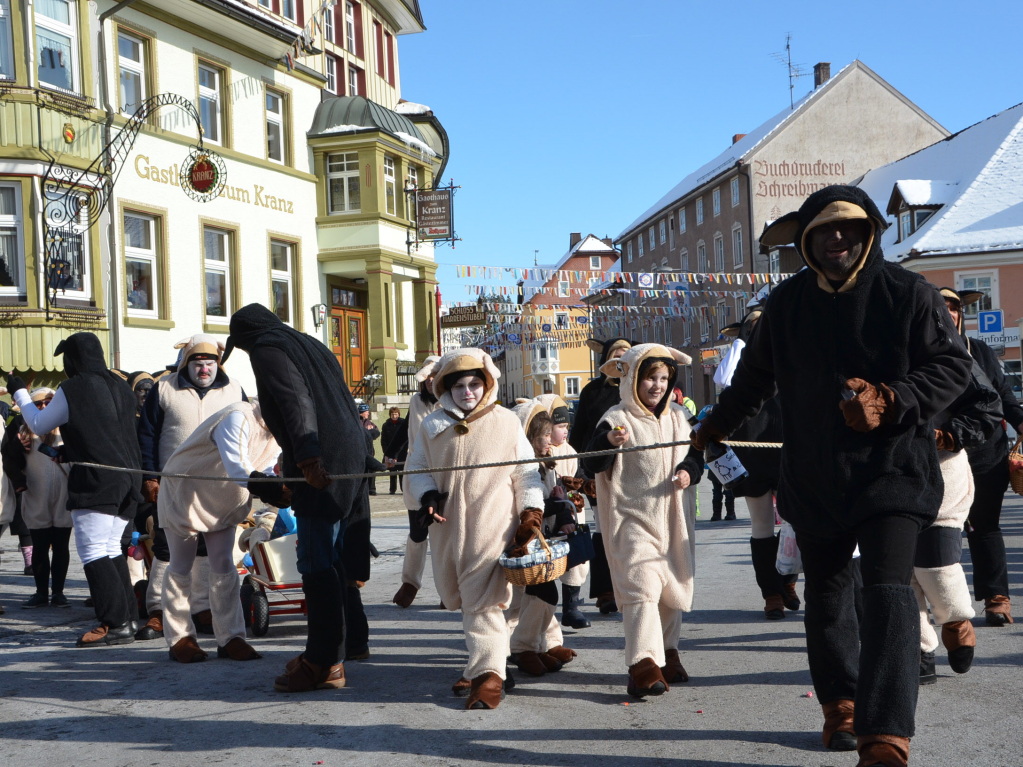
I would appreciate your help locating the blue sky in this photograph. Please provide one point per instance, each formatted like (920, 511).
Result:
(577, 115)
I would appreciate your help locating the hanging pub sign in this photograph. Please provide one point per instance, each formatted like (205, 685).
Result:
(434, 215)
(202, 174)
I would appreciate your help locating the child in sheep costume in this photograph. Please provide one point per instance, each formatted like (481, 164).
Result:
(648, 530)
(420, 405)
(477, 511)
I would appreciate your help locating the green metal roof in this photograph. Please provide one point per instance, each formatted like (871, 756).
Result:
(348, 111)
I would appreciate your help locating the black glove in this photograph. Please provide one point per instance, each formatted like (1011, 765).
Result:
(14, 383)
(274, 493)
(432, 500)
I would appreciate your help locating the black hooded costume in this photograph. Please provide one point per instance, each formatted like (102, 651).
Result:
(596, 398)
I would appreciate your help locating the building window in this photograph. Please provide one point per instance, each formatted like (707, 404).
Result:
(701, 257)
(57, 43)
(628, 251)
(217, 252)
(328, 22)
(288, 10)
(738, 257)
(563, 288)
(699, 211)
(378, 44)
(276, 126)
(331, 71)
(355, 81)
(142, 264)
(671, 233)
(410, 199)
(683, 259)
(343, 183)
(639, 241)
(353, 28)
(6, 42)
(983, 282)
(704, 328)
(735, 191)
(911, 219)
(572, 386)
(650, 237)
(774, 261)
(740, 308)
(210, 110)
(687, 333)
(663, 232)
(69, 269)
(12, 250)
(389, 44)
(390, 187)
(281, 279)
(595, 263)
(681, 220)
(715, 202)
(719, 253)
(131, 60)
(561, 319)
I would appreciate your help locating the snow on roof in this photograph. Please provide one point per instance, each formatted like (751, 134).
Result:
(412, 108)
(418, 143)
(344, 128)
(979, 190)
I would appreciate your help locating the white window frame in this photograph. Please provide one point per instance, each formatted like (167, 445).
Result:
(715, 201)
(85, 292)
(353, 81)
(699, 211)
(70, 31)
(390, 186)
(701, 257)
(289, 9)
(704, 328)
(351, 45)
(563, 288)
(150, 256)
(347, 174)
(412, 180)
(137, 68)
(663, 232)
(213, 96)
(651, 238)
(330, 69)
(572, 386)
(283, 276)
(561, 320)
(14, 222)
(595, 264)
(774, 261)
(683, 259)
(719, 252)
(735, 191)
(738, 257)
(628, 251)
(223, 268)
(6, 41)
(276, 119)
(968, 281)
(328, 22)
(640, 241)
(681, 220)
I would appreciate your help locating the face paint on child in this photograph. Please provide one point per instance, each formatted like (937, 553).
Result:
(467, 392)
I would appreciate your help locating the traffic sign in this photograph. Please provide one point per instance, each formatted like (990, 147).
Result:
(990, 321)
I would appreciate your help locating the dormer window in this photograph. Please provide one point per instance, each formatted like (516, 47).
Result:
(914, 201)
(911, 219)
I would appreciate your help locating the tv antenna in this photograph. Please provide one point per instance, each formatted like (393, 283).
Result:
(795, 70)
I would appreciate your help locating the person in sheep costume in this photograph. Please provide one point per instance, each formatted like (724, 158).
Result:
(648, 529)
(477, 512)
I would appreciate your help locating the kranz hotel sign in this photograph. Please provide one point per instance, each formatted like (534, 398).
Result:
(434, 215)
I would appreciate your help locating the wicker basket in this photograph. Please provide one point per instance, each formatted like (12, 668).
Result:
(542, 563)
(1016, 467)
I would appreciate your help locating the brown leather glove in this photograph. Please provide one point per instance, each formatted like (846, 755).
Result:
(572, 483)
(590, 487)
(314, 473)
(870, 408)
(529, 526)
(150, 490)
(944, 440)
(578, 500)
(704, 433)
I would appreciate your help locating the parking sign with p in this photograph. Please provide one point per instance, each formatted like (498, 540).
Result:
(989, 322)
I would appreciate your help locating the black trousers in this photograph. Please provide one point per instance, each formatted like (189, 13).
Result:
(984, 535)
(45, 540)
(874, 660)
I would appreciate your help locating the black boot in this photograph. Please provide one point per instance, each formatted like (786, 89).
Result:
(928, 673)
(108, 598)
(324, 599)
(764, 552)
(129, 591)
(889, 662)
(570, 615)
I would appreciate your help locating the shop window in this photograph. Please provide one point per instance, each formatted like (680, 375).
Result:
(282, 288)
(218, 256)
(142, 264)
(343, 183)
(57, 44)
(131, 61)
(211, 111)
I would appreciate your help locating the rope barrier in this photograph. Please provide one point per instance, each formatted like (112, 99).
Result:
(438, 469)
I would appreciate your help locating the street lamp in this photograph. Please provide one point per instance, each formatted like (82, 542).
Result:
(319, 315)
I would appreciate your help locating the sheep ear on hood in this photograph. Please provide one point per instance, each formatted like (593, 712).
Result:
(183, 343)
(680, 357)
(615, 368)
(782, 231)
(594, 345)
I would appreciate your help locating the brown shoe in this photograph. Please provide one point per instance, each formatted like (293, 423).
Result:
(104, 635)
(529, 662)
(997, 611)
(774, 607)
(486, 692)
(562, 654)
(882, 751)
(790, 597)
(461, 688)
(406, 595)
(838, 733)
(203, 622)
(153, 628)
(302, 676)
(238, 649)
(549, 662)
(959, 639)
(645, 678)
(187, 650)
(606, 603)
(673, 670)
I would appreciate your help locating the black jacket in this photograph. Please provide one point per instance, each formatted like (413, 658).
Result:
(597, 397)
(889, 327)
(986, 456)
(394, 439)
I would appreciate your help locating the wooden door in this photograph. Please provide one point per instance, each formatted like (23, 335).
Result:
(348, 342)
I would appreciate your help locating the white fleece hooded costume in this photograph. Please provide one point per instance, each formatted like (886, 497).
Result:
(482, 508)
(648, 529)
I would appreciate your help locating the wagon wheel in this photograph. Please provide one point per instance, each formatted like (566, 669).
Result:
(246, 592)
(260, 614)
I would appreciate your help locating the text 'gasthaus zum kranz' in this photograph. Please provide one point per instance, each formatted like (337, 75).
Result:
(258, 196)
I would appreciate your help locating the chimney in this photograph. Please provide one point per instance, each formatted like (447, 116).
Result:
(738, 137)
(607, 241)
(573, 238)
(821, 73)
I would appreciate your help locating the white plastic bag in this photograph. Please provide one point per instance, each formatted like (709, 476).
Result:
(788, 562)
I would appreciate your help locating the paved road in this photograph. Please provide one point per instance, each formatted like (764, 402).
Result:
(745, 705)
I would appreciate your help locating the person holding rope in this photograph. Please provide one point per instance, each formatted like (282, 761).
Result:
(649, 528)
(476, 512)
(862, 354)
(308, 408)
(95, 411)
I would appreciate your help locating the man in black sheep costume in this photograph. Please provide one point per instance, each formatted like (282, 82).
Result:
(311, 413)
(862, 354)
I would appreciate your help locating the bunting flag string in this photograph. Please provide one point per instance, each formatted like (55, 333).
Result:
(541, 275)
